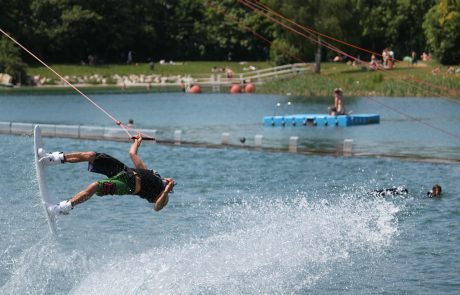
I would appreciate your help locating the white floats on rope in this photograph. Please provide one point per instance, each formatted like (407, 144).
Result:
(22, 128)
(258, 140)
(225, 138)
(293, 142)
(347, 147)
(117, 134)
(71, 131)
(5, 127)
(177, 137)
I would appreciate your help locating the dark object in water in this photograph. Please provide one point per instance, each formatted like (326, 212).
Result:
(435, 192)
(394, 191)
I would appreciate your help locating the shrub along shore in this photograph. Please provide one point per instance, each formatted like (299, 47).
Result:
(356, 80)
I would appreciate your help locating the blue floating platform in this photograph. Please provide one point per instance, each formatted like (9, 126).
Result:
(321, 120)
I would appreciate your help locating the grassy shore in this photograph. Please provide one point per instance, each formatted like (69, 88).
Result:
(168, 69)
(403, 80)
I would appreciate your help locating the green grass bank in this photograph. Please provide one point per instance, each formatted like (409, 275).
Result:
(424, 79)
(403, 80)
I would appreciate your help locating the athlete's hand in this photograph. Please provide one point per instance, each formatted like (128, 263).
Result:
(137, 139)
(170, 185)
(143, 137)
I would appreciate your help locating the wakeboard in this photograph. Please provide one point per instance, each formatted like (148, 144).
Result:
(44, 195)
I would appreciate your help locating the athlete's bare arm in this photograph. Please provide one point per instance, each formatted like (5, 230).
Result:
(163, 199)
(137, 161)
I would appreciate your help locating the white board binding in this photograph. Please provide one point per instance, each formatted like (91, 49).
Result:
(41, 179)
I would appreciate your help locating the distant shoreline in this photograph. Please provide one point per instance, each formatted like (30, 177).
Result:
(260, 90)
(405, 80)
(89, 89)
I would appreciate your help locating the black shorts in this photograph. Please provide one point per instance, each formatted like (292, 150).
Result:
(107, 165)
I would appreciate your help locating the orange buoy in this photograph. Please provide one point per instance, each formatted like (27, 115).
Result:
(235, 88)
(249, 88)
(195, 89)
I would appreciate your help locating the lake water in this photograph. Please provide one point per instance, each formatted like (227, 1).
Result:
(203, 118)
(240, 221)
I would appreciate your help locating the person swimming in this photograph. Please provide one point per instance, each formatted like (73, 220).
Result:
(435, 192)
(399, 191)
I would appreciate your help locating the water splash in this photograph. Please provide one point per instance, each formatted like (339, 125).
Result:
(46, 268)
(255, 247)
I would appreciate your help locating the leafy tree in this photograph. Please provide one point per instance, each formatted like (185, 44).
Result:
(57, 29)
(225, 32)
(282, 52)
(12, 15)
(10, 60)
(320, 16)
(127, 25)
(184, 35)
(393, 23)
(442, 29)
(69, 31)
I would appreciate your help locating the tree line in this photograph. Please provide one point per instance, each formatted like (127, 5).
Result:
(69, 31)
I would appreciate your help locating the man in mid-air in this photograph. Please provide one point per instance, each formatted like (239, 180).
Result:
(122, 180)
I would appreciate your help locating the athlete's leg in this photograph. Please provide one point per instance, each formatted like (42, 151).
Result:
(85, 194)
(64, 207)
(78, 157)
(60, 158)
